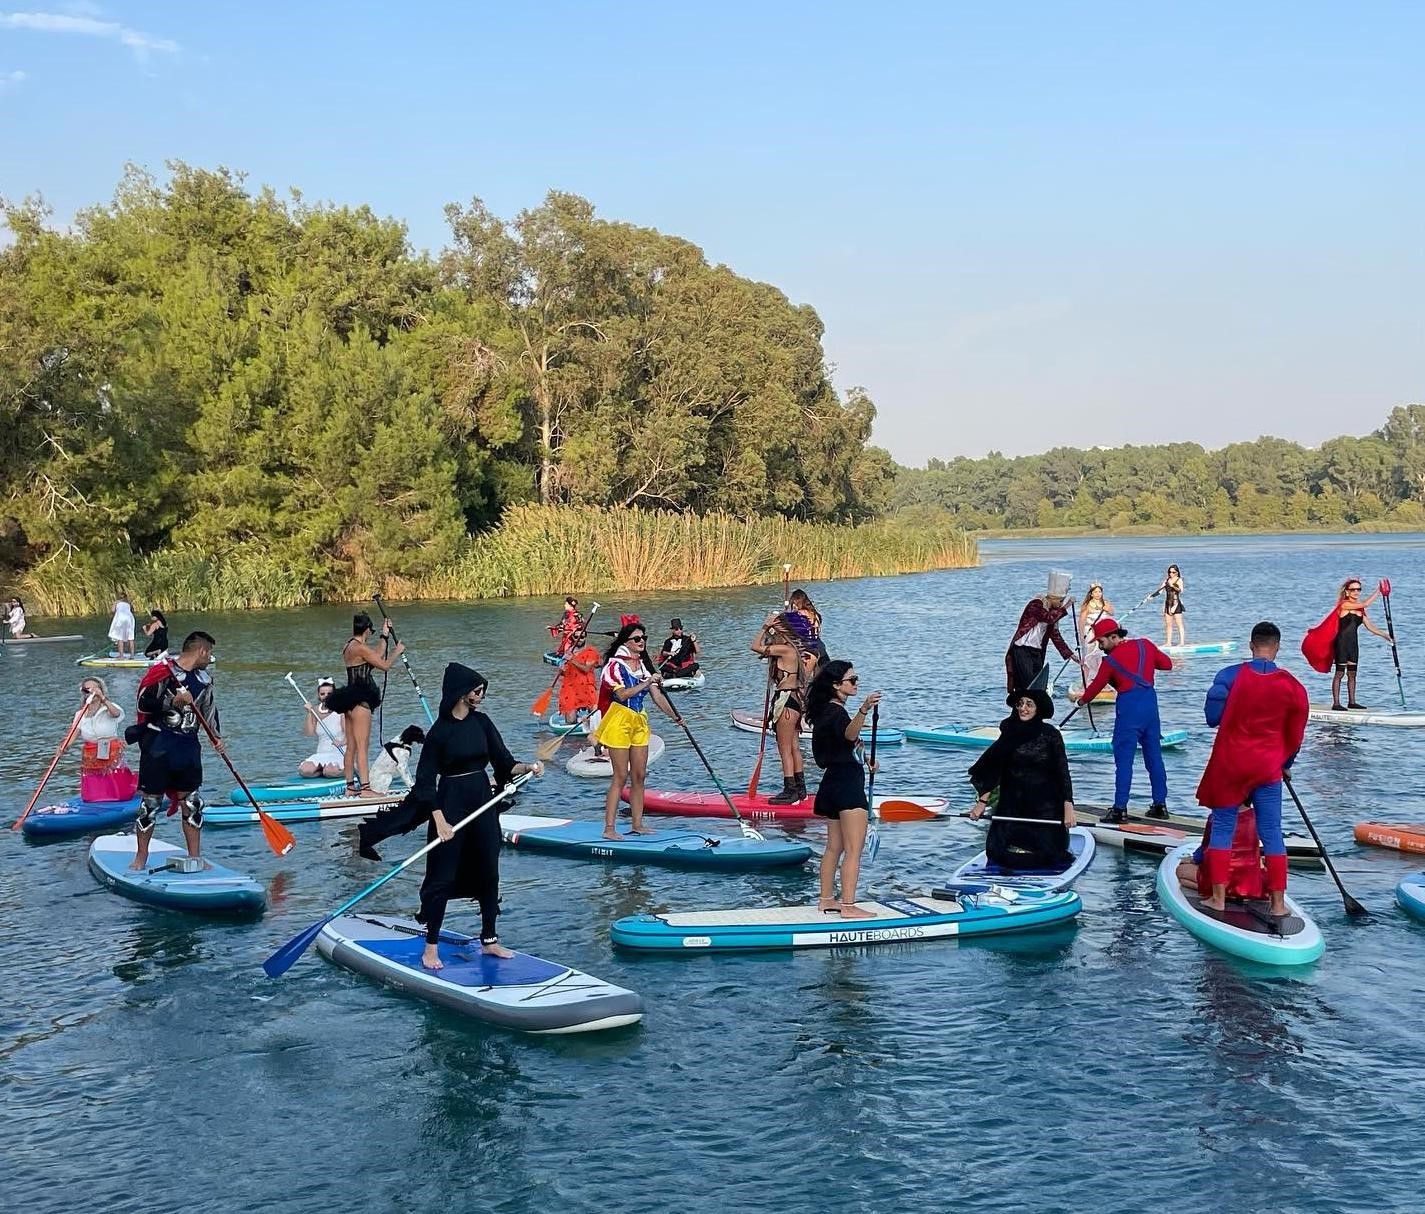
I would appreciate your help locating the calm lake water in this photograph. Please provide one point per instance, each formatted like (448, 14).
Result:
(148, 1065)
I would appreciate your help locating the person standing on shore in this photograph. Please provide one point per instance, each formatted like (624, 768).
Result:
(1038, 625)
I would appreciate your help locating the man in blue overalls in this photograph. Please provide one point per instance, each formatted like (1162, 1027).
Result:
(1129, 666)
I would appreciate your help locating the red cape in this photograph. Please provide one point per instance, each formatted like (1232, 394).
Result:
(1318, 646)
(1263, 723)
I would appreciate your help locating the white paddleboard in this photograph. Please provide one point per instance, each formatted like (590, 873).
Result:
(1326, 715)
(590, 768)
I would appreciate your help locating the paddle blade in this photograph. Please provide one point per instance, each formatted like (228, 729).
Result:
(1385, 590)
(541, 705)
(279, 838)
(547, 750)
(286, 956)
(904, 811)
(756, 775)
(873, 844)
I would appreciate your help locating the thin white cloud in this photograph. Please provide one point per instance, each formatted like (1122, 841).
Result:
(11, 80)
(90, 27)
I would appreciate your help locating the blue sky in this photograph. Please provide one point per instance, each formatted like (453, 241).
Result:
(1022, 225)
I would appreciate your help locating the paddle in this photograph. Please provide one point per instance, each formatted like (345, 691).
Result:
(747, 829)
(873, 834)
(286, 957)
(1084, 678)
(1390, 629)
(541, 705)
(411, 674)
(1353, 908)
(894, 809)
(63, 746)
(279, 838)
(767, 694)
(324, 727)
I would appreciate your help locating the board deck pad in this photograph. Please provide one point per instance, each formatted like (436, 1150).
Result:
(468, 964)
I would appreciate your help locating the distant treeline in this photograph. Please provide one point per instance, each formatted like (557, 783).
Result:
(1268, 485)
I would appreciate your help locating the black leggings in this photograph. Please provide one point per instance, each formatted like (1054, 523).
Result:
(466, 867)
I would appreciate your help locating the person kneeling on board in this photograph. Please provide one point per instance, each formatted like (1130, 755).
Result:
(173, 694)
(678, 659)
(329, 728)
(1260, 713)
(1030, 767)
(841, 796)
(1130, 666)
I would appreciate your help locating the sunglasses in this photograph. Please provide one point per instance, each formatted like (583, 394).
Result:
(638, 640)
(1353, 588)
(853, 679)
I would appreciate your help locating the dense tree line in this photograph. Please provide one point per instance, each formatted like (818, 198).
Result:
(201, 366)
(1268, 484)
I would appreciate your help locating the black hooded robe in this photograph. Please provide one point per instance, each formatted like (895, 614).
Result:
(1030, 767)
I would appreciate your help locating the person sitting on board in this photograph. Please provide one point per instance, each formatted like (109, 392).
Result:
(1246, 878)
(841, 795)
(678, 659)
(578, 685)
(1259, 711)
(103, 774)
(121, 627)
(627, 681)
(394, 759)
(1029, 766)
(173, 693)
(15, 618)
(1038, 625)
(329, 728)
(569, 624)
(156, 630)
(785, 640)
(1172, 588)
(1130, 666)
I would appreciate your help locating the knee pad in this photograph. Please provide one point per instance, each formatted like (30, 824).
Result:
(192, 806)
(147, 819)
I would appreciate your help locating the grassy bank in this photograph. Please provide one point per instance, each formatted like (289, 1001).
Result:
(536, 550)
(1149, 530)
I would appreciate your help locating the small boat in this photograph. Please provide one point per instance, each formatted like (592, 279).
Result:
(295, 790)
(751, 722)
(585, 725)
(584, 840)
(1401, 836)
(590, 767)
(1326, 715)
(905, 808)
(691, 683)
(553, 659)
(167, 882)
(1158, 836)
(1410, 895)
(6, 642)
(78, 817)
(1245, 929)
(892, 921)
(293, 812)
(981, 737)
(1187, 651)
(979, 873)
(522, 992)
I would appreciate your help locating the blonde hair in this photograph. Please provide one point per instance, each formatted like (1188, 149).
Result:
(1341, 594)
(95, 679)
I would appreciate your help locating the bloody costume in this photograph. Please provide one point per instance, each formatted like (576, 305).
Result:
(578, 691)
(170, 754)
(1130, 669)
(1260, 712)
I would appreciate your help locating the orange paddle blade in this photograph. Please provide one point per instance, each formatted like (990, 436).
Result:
(904, 811)
(279, 838)
(541, 705)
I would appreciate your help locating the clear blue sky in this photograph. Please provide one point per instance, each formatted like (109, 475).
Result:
(1022, 224)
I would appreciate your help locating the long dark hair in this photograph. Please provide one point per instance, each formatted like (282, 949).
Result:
(621, 639)
(155, 614)
(801, 601)
(823, 687)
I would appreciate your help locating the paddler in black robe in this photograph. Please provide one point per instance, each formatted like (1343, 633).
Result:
(1030, 767)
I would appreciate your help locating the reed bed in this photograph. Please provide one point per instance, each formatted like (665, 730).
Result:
(535, 550)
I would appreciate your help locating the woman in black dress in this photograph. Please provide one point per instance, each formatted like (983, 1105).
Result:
(1350, 618)
(361, 697)
(841, 797)
(1030, 767)
(156, 630)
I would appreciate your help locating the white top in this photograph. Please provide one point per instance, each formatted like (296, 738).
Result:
(16, 620)
(98, 726)
(1034, 638)
(330, 735)
(123, 612)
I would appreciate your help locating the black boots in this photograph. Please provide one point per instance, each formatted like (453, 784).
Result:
(793, 790)
(1157, 810)
(1115, 816)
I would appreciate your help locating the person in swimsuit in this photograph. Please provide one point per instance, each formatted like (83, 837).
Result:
(1173, 609)
(841, 796)
(330, 731)
(785, 640)
(1350, 617)
(361, 697)
(156, 630)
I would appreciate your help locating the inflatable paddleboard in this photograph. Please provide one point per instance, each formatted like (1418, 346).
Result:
(892, 921)
(522, 992)
(1074, 692)
(297, 790)
(1326, 715)
(6, 642)
(292, 812)
(585, 840)
(751, 722)
(78, 817)
(1158, 836)
(979, 873)
(1410, 894)
(112, 661)
(1398, 835)
(214, 890)
(585, 725)
(584, 763)
(1186, 651)
(688, 684)
(1245, 929)
(983, 736)
(905, 808)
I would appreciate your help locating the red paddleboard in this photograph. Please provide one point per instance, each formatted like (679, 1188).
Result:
(712, 805)
(1318, 647)
(1402, 836)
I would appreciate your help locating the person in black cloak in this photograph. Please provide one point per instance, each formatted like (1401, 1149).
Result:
(451, 783)
(1030, 767)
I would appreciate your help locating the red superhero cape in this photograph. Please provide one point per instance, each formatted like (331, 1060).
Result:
(1263, 723)
(156, 673)
(1318, 646)
(1246, 878)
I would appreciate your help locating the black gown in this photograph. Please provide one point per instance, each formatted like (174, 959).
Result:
(1030, 767)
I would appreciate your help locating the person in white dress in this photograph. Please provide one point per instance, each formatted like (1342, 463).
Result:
(15, 618)
(103, 774)
(329, 728)
(121, 627)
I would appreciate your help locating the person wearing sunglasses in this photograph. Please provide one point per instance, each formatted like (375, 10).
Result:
(103, 774)
(1350, 618)
(629, 678)
(786, 641)
(1171, 589)
(841, 796)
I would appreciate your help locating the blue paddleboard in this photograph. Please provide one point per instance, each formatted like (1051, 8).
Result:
(77, 817)
(678, 848)
(214, 890)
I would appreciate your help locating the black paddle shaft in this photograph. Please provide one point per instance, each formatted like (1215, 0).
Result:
(1353, 908)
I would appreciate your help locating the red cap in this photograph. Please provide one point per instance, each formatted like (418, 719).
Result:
(1106, 625)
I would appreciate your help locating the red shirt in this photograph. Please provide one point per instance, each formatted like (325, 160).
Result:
(1139, 656)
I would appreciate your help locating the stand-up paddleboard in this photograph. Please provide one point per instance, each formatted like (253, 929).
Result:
(1401, 836)
(6, 642)
(1158, 836)
(591, 767)
(293, 812)
(585, 840)
(691, 683)
(905, 808)
(892, 921)
(214, 890)
(983, 736)
(296, 790)
(1187, 651)
(585, 725)
(1245, 929)
(1410, 894)
(751, 722)
(1074, 692)
(1326, 715)
(78, 817)
(112, 661)
(979, 873)
(522, 992)
(553, 659)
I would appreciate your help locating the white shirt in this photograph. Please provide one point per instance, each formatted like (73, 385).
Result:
(98, 726)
